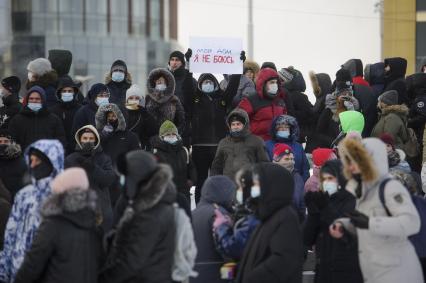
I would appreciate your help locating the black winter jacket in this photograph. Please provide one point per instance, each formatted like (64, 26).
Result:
(395, 79)
(11, 107)
(13, 169)
(143, 125)
(5, 207)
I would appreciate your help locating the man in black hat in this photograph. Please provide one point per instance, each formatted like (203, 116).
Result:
(118, 81)
(9, 95)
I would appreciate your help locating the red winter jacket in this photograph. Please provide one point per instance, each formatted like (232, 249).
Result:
(262, 109)
(360, 81)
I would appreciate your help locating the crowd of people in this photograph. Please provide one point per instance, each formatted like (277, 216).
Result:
(96, 187)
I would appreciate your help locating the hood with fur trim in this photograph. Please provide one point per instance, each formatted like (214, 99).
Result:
(289, 120)
(48, 79)
(161, 96)
(321, 83)
(101, 117)
(251, 65)
(243, 114)
(265, 75)
(74, 205)
(207, 76)
(127, 78)
(354, 66)
(91, 128)
(399, 109)
(370, 156)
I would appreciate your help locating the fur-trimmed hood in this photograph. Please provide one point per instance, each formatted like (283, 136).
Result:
(208, 76)
(48, 79)
(399, 109)
(72, 205)
(127, 78)
(370, 155)
(243, 114)
(251, 65)
(101, 117)
(321, 83)
(160, 96)
(289, 120)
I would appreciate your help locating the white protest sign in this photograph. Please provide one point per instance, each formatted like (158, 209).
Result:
(216, 55)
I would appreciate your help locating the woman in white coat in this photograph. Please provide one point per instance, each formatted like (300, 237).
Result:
(385, 253)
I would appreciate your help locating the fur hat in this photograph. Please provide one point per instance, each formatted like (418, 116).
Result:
(135, 90)
(251, 65)
(12, 84)
(352, 150)
(119, 65)
(389, 97)
(321, 155)
(39, 66)
(168, 128)
(70, 179)
(178, 55)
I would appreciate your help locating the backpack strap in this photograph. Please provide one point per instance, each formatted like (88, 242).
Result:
(382, 195)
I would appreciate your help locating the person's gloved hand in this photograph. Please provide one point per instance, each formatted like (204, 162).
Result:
(359, 219)
(108, 129)
(220, 219)
(243, 56)
(349, 105)
(188, 54)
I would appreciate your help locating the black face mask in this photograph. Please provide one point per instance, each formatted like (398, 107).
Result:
(113, 123)
(43, 170)
(87, 146)
(3, 148)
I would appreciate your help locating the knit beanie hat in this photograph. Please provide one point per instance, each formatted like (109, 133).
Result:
(119, 65)
(69, 179)
(178, 55)
(269, 65)
(39, 66)
(343, 79)
(387, 139)
(135, 90)
(168, 128)
(285, 75)
(12, 84)
(389, 97)
(281, 149)
(321, 155)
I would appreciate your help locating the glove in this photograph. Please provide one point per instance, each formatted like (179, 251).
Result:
(108, 129)
(359, 219)
(243, 56)
(220, 219)
(188, 54)
(349, 105)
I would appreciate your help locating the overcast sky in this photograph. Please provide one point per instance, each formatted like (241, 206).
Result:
(317, 35)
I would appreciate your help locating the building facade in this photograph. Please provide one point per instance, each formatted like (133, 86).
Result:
(97, 32)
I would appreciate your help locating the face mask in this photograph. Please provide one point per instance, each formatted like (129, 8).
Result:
(239, 196)
(283, 134)
(41, 171)
(207, 88)
(273, 89)
(170, 140)
(117, 77)
(329, 187)
(288, 165)
(67, 96)
(255, 191)
(87, 146)
(113, 123)
(133, 101)
(3, 148)
(102, 101)
(34, 106)
(160, 87)
(235, 133)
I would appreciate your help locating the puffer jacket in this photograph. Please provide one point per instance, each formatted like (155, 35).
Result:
(260, 108)
(234, 153)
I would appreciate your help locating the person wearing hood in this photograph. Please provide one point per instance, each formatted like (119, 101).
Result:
(118, 80)
(319, 157)
(374, 74)
(61, 61)
(9, 95)
(283, 156)
(115, 139)
(169, 149)
(240, 148)
(139, 121)
(251, 70)
(161, 102)
(350, 122)
(41, 74)
(144, 243)
(89, 155)
(395, 69)
(5, 208)
(45, 158)
(267, 103)
(12, 163)
(285, 129)
(277, 241)
(97, 96)
(337, 260)
(35, 121)
(68, 229)
(423, 65)
(342, 99)
(396, 156)
(393, 119)
(67, 107)
(385, 252)
(218, 193)
(303, 111)
(363, 93)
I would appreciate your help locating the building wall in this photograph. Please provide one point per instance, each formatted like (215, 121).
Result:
(399, 31)
(420, 33)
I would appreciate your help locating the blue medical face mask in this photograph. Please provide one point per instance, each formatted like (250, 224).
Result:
(207, 87)
(161, 87)
(329, 187)
(117, 76)
(67, 96)
(102, 101)
(34, 106)
(283, 134)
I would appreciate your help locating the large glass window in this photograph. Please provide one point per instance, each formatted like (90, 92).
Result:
(119, 10)
(138, 17)
(21, 15)
(96, 17)
(155, 19)
(420, 43)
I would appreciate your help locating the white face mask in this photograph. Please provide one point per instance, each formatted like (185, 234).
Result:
(207, 87)
(160, 87)
(273, 89)
(255, 191)
(133, 101)
(329, 187)
(240, 196)
(170, 139)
